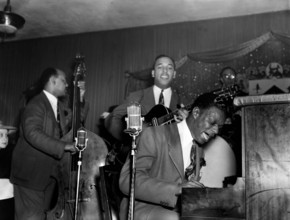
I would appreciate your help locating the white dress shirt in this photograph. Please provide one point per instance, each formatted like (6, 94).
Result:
(166, 94)
(186, 142)
(53, 101)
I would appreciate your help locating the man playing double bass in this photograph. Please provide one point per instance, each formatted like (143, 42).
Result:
(40, 148)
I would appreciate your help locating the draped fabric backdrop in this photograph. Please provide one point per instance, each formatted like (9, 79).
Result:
(198, 73)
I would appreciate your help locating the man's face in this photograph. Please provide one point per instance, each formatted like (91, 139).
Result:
(163, 72)
(60, 84)
(3, 138)
(206, 123)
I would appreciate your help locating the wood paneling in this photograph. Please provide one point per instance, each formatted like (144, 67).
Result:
(267, 161)
(110, 53)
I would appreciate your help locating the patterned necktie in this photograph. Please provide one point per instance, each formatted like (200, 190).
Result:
(196, 162)
(161, 98)
(58, 120)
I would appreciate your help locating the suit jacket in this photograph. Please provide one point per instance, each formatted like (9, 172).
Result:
(159, 170)
(39, 148)
(115, 122)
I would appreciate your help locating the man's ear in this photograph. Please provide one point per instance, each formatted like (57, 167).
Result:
(153, 73)
(195, 112)
(52, 80)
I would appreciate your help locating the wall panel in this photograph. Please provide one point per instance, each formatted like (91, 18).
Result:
(109, 54)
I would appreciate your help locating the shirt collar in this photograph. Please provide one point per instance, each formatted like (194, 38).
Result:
(157, 89)
(50, 97)
(185, 133)
(53, 101)
(166, 94)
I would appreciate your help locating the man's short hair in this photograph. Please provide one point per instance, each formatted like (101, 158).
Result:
(45, 76)
(39, 85)
(160, 56)
(208, 100)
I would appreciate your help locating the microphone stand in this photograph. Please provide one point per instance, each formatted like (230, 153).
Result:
(133, 133)
(134, 127)
(78, 175)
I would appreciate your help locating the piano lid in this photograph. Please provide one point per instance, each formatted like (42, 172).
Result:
(262, 99)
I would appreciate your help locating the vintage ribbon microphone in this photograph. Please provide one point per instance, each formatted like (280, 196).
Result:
(134, 127)
(81, 142)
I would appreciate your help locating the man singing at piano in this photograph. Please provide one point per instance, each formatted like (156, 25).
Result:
(168, 158)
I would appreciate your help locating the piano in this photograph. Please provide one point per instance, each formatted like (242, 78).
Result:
(263, 192)
(214, 203)
(223, 197)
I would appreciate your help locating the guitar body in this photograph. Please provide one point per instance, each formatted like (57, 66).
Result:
(152, 117)
(220, 163)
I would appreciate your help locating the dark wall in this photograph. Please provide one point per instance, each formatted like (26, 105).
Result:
(109, 54)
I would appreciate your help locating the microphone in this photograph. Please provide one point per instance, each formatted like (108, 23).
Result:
(81, 139)
(134, 119)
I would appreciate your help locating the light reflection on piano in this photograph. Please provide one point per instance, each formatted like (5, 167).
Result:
(220, 163)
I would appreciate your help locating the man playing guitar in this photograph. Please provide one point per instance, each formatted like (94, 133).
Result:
(163, 73)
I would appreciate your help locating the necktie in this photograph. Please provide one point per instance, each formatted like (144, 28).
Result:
(58, 120)
(161, 98)
(196, 162)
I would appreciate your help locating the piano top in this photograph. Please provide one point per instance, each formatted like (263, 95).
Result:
(261, 99)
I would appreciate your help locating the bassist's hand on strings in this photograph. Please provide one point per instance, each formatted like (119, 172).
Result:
(182, 113)
(82, 86)
(70, 148)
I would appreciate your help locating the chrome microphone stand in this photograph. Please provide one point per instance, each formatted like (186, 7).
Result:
(133, 134)
(80, 147)
(134, 127)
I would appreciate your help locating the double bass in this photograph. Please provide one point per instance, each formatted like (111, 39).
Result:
(78, 176)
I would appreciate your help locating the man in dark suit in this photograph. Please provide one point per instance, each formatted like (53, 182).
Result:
(163, 154)
(163, 73)
(39, 148)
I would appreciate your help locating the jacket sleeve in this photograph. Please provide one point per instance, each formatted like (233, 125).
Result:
(39, 130)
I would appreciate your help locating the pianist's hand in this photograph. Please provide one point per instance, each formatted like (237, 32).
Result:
(190, 184)
(193, 184)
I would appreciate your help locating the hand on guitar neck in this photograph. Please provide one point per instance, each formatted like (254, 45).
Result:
(181, 113)
(161, 115)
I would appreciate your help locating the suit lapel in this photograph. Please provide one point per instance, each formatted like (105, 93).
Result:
(175, 150)
(174, 101)
(148, 99)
